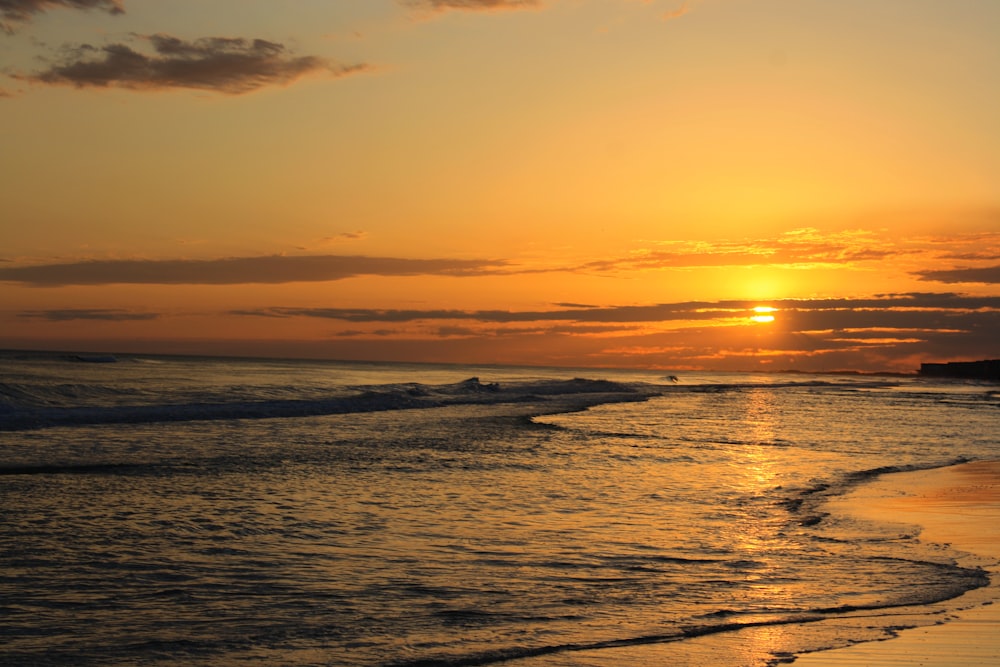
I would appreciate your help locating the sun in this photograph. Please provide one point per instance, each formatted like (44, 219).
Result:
(762, 314)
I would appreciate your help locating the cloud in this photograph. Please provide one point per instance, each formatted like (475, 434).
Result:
(231, 65)
(895, 311)
(343, 237)
(801, 247)
(654, 313)
(273, 269)
(470, 5)
(13, 12)
(988, 274)
(684, 8)
(887, 332)
(67, 314)
(570, 304)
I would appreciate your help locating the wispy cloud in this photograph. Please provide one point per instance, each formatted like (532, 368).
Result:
(671, 14)
(809, 248)
(893, 331)
(273, 269)
(653, 313)
(801, 247)
(811, 314)
(106, 314)
(14, 12)
(231, 65)
(345, 236)
(470, 5)
(335, 239)
(988, 275)
(888, 332)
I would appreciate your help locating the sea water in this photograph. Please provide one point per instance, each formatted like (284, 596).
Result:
(168, 510)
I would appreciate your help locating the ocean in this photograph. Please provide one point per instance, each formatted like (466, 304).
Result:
(203, 511)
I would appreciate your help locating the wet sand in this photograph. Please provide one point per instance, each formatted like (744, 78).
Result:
(959, 506)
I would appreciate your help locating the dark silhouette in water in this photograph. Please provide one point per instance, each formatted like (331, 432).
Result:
(972, 370)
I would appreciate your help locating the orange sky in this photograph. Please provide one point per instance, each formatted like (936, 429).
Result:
(571, 182)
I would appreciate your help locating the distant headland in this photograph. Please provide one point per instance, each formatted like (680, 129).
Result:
(972, 370)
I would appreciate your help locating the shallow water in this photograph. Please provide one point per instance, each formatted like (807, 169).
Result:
(386, 514)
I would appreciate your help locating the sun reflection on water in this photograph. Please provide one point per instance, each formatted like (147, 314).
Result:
(757, 533)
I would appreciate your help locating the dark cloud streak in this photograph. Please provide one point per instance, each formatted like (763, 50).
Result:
(888, 332)
(273, 269)
(988, 275)
(662, 312)
(13, 12)
(903, 310)
(68, 314)
(225, 64)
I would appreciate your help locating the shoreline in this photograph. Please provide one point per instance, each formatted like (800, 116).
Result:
(958, 506)
(955, 505)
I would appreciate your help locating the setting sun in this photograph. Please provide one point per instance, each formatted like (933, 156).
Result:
(762, 314)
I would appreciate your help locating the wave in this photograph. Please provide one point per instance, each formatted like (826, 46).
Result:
(577, 393)
(813, 496)
(971, 579)
(34, 405)
(23, 394)
(906, 608)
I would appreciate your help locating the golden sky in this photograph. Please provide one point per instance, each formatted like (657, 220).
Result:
(550, 182)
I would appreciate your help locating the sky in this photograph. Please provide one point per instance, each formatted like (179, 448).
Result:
(661, 184)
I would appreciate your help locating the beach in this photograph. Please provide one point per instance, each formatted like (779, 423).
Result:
(960, 506)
